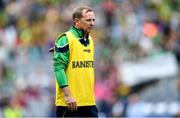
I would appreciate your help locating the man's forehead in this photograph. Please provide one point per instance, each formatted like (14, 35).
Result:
(89, 15)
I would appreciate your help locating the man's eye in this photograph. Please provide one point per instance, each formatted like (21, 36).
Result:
(88, 20)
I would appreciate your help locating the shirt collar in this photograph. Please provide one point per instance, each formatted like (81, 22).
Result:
(79, 33)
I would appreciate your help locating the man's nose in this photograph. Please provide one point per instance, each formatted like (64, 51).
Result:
(92, 23)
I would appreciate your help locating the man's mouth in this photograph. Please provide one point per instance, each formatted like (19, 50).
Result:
(89, 28)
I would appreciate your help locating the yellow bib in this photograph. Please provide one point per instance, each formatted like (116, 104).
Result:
(79, 72)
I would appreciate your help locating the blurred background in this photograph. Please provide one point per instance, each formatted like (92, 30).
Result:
(137, 56)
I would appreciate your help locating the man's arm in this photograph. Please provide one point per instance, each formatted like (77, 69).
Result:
(71, 102)
(61, 58)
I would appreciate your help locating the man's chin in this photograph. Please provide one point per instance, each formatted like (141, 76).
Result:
(89, 30)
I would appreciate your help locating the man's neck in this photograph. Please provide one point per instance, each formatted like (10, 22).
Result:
(85, 34)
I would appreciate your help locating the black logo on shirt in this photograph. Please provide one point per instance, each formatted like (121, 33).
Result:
(87, 50)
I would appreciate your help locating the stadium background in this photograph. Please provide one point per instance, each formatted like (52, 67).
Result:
(137, 56)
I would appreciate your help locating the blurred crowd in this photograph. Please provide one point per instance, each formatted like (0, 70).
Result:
(127, 31)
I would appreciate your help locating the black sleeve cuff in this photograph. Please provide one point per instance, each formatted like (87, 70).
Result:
(63, 86)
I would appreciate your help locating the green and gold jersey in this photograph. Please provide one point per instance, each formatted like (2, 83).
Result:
(74, 67)
(79, 72)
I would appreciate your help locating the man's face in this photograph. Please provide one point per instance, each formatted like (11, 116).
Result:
(87, 21)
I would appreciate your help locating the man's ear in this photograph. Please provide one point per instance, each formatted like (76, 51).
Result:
(76, 20)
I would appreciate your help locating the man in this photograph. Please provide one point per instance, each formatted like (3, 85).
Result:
(74, 67)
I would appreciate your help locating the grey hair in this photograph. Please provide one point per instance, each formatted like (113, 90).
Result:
(78, 11)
